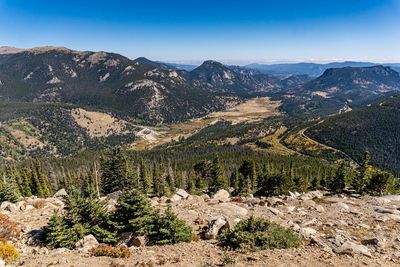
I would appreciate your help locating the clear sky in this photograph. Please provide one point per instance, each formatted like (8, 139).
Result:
(231, 31)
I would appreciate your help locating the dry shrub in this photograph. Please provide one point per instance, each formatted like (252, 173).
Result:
(39, 203)
(110, 251)
(8, 252)
(9, 229)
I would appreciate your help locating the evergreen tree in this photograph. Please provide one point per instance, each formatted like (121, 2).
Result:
(234, 180)
(248, 170)
(170, 182)
(9, 191)
(114, 173)
(145, 179)
(84, 214)
(360, 182)
(275, 185)
(217, 176)
(381, 182)
(169, 229)
(160, 187)
(338, 183)
(134, 212)
(26, 183)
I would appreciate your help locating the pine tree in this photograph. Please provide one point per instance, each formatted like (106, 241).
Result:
(338, 183)
(26, 183)
(381, 182)
(248, 170)
(84, 214)
(114, 173)
(217, 176)
(160, 187)
(134, 212)
(58, 234)
(234, 180)
(360, 182)
(145, 179)
(9, 191)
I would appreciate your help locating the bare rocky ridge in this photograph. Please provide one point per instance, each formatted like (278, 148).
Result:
(337, 231)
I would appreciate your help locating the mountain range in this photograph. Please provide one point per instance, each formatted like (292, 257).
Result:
(311, 69)
(54, 100)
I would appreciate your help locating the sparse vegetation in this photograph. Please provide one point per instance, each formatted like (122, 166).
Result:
(257, 234)
(8, 251)
(110, 251)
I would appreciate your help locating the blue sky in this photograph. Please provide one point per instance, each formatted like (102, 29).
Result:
(230, 31)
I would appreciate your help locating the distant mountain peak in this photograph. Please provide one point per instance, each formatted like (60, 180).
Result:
(44, 49)
(10, 50)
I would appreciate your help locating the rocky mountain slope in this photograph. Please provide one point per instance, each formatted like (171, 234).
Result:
(336, 231)
(149, 91)
(342, 89)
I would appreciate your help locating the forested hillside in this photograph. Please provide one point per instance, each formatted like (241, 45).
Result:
(375, 127)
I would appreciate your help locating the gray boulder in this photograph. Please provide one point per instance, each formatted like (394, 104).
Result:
(221, 195)
(61, 194)
(349, 247)
(214, 228)
(182, 193)
(86, 244)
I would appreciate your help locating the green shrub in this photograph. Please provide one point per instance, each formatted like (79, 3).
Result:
(256, 234)
(381, 182)
(134, 213)
(83, 215)
(9, 192)
(275, 185)
(169, 229)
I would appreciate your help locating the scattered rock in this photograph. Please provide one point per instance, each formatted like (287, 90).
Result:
(342, 206)
(139, 241)
(272, 201)
(221, 195)
(182, 193)
(229, 209)
(174, 198)
(319, 208)
(214, 228)
(61, 194)
(387, 211)
(349, 247)
(373, 241)
(275, 211)
(307, 232)
(125, 239)
(86, 244)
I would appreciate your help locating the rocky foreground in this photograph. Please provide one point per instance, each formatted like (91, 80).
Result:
(337, 231)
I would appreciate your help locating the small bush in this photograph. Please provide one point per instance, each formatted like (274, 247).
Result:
(9, 192)
(110, 251)
(8, 252)
(256, 234)
(8, 229)
(169, 229)
(39, 203)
